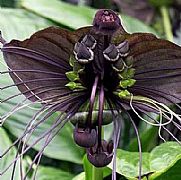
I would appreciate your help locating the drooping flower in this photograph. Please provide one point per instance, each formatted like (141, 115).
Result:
(100, 67)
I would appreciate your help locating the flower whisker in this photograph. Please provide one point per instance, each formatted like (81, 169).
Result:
(30, 146)
(139, 145)
(33, 89)
(49, 138)
(158, 106)
(23, 83)
(21, 105)
(159, 93)
(116, 136)
(57, 122)
(49, 110)
(27, 130)
(13, 110)
(172, 135)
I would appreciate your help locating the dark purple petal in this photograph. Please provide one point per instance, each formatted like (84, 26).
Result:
(157, 66)
(41, 61)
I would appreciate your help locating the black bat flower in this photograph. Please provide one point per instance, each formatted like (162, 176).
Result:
(103, 66)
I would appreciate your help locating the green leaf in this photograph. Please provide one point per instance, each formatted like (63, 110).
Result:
(80, 176)
(76, 16)
(148, 140)
(7, 159)
(164, 157)
(49, 173)
(148, 134)
(21, 24)
(60, 12)
(127, 163)
(133, 25)
(171, 174)
(162, 162)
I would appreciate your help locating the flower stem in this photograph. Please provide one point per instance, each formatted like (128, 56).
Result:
(92, 100)
(166, 23)
(100, 115)
(97, 173)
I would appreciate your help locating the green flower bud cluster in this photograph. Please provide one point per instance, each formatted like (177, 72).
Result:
(126, 77)
(73, 76)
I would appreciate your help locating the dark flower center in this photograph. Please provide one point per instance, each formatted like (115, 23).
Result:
(103, 69)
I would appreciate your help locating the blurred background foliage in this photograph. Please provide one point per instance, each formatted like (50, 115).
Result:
(62, 159)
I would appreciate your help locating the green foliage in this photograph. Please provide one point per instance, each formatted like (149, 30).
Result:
(148, 140)
(5, 142)
(162, 161)
(49, 173)
(160, 3)
(76, 16)
(60, 12)
(7, 3)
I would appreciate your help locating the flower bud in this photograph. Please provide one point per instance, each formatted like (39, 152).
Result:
(111, 53)
(85, 137)
(89, 41)
(82, 53)
(101, 156)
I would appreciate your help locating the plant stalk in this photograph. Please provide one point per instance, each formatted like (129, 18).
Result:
(97, 173)
(166, 23)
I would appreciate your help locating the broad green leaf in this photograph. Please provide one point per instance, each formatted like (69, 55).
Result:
(76, 16)
(20, 24)
(127, 163)
(133, 25)
(60, 12)
(161, 163)
(7, 3)
(171, 174)
(148, 140)
(163, 158)
(49, 173)
(80, 176)
(6, 160)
